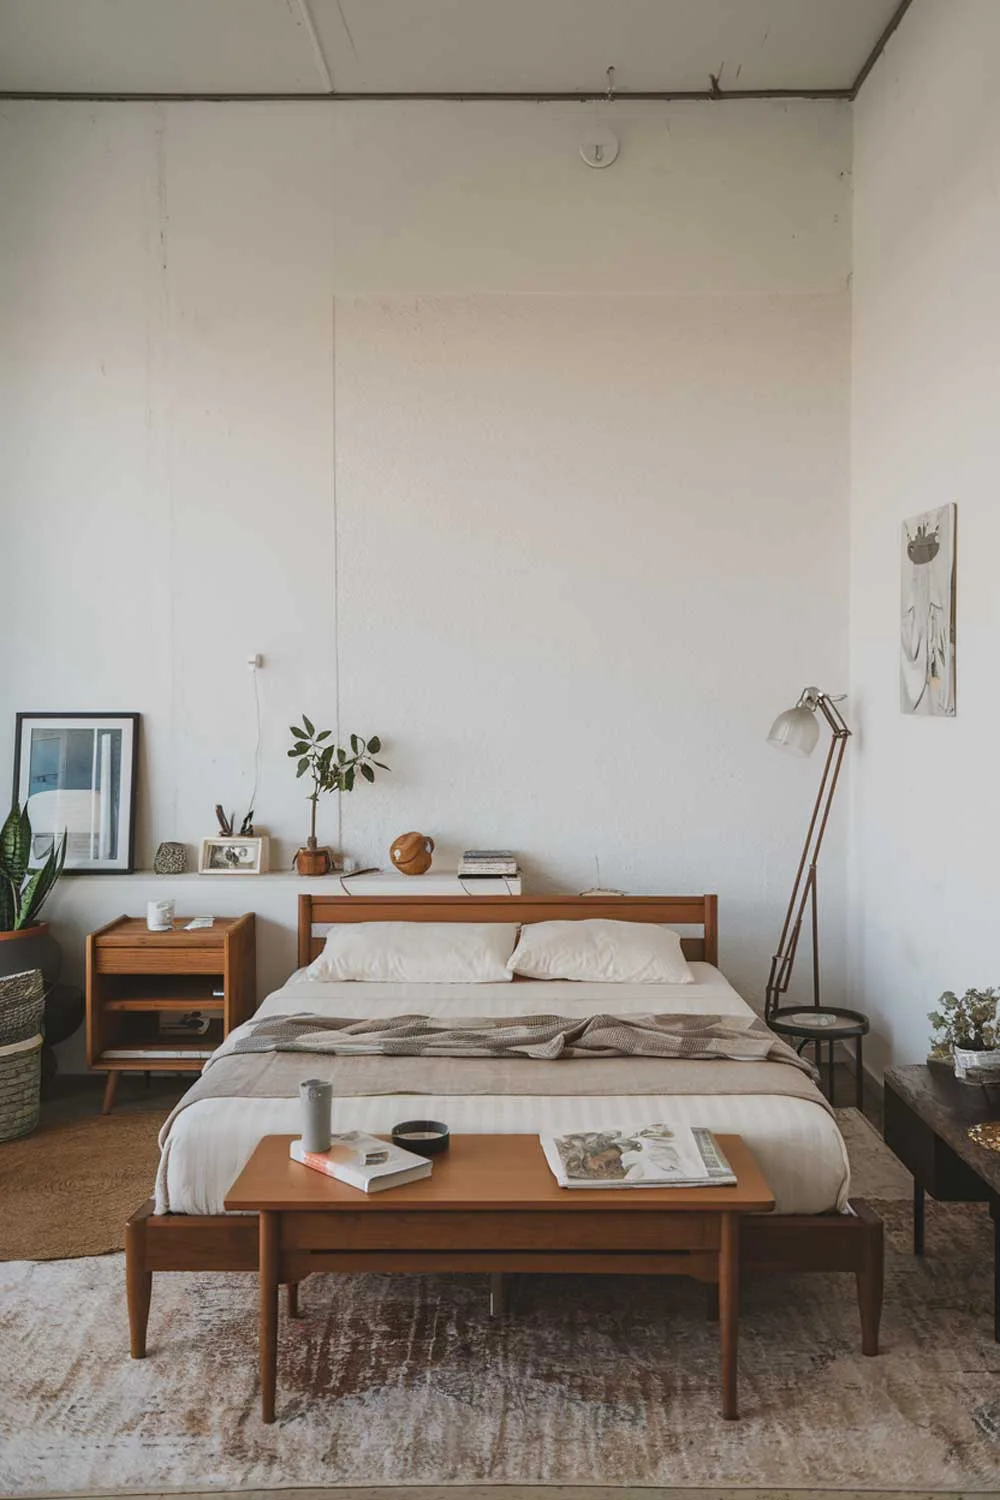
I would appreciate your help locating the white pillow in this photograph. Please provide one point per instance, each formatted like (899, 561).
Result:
(601, 950)
(417, 952)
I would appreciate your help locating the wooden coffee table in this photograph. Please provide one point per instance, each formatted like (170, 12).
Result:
(927, 1113)
(492, 1205)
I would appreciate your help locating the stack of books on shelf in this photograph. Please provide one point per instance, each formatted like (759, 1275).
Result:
(648, 1156)
(488, 864)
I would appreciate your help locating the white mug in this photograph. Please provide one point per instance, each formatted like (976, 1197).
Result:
(160, 916)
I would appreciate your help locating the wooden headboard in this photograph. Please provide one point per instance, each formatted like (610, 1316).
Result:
(316, 913)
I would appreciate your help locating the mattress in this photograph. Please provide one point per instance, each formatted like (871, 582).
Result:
(796, 1142)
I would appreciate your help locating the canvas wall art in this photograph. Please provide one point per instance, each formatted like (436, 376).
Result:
(927, 625)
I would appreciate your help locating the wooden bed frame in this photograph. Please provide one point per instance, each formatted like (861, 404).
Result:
(849, 1241)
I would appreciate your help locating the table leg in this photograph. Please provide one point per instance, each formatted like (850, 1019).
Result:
(138, 1286)
(729, 1310)
(995, 1211)
(918, 1218)
(268, 1286)
(829, 1071)
(859, 1079)
(292, 1299)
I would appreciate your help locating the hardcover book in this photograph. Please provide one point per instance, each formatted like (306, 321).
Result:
(364, 1162)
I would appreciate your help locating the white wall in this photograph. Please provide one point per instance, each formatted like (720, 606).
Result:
(925, 880)
(582, 437)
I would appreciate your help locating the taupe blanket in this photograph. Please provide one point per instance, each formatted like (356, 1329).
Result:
(544, 1037)
(234, 1073)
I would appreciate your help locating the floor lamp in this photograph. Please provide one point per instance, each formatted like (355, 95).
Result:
(796, 731)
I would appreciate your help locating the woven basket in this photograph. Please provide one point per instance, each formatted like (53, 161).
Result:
(22, 1003)
(20, 1087)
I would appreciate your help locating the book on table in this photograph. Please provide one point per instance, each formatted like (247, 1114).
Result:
(363, 1161)
(653, 1155)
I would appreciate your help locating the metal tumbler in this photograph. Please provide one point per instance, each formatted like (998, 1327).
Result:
(316, 1099)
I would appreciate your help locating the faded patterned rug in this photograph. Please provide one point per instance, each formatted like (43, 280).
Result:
(404, 1380)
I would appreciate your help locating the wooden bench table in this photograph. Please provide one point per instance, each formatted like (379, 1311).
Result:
(492, 1205)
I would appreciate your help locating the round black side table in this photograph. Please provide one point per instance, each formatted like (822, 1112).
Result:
(825, 1023)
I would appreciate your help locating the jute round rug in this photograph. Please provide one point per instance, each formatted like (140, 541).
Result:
(404, 1380)
(75, 1184)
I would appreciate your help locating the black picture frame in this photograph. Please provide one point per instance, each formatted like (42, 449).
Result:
(126, 777)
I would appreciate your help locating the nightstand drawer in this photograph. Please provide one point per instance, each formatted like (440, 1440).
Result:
(165, 960)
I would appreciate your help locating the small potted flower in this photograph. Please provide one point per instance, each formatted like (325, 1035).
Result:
(331, 768)
(967, 1034)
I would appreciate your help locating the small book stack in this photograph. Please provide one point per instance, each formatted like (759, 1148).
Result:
(488, 864)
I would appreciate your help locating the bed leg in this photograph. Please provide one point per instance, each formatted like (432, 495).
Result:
(138, 1281)
(869, 1276)
(292, 1300)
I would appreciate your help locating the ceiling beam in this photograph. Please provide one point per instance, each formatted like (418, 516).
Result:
(308, 25)
(466, 96)
(712, 94)
(895, 21)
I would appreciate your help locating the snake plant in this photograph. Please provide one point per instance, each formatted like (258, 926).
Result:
(23, 890)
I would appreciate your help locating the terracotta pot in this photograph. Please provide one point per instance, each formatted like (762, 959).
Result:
(31, 948)
(315, 861)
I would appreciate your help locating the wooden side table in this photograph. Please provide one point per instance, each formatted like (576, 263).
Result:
(927, 1115)
(491, 1205)
(135, 977)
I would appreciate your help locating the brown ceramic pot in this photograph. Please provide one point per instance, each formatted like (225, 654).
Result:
(313, 860)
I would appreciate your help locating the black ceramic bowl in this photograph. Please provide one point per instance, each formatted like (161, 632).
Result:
(423, 1137)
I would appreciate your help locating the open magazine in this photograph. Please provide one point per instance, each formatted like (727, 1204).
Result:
(650, 1156)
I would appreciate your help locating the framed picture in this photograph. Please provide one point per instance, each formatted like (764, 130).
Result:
(76, 773)
(221, 856)
(927, 614)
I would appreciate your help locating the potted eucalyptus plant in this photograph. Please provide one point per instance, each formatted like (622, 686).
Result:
(967, 1034)
(25, 942)
(331, 768)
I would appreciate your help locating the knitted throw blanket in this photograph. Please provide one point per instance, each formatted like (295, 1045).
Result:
(546, 1038)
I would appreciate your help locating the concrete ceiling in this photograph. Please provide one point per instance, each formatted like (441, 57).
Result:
(534, 47)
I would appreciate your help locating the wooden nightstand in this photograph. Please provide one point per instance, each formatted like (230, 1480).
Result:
(138, 980)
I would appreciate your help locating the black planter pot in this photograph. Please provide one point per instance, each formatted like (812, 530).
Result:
(31, 948)
(64, 1011)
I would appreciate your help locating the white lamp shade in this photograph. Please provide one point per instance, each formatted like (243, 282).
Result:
(795, 731)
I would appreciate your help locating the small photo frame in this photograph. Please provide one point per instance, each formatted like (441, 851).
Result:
(234, 856)
(76, 774)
